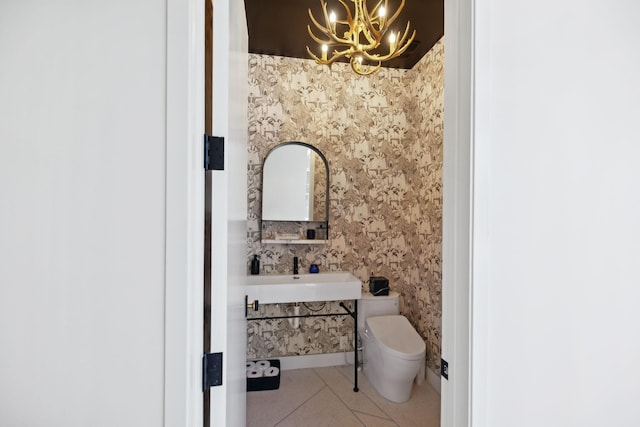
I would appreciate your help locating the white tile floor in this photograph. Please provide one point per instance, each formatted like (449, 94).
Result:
(325, 397)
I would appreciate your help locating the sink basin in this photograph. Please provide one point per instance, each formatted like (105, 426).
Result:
(273, 289)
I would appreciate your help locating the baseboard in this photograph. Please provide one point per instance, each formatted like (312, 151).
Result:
(337, 359)
(434, 380)
(315, 360)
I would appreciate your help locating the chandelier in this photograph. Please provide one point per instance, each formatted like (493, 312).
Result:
(359, 36)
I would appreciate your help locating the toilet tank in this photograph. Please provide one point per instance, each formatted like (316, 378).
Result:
(370, 306)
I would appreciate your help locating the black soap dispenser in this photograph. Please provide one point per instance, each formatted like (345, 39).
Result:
(255, 265)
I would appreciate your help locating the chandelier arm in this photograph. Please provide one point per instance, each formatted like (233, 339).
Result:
(376, 7)
(337, 40)
(399, 50)
(326, 15)
(370, 33)
(356, 13)
(373, 43)
(371, 71)
(373, 40)
(406, 45)
(353, 67)
(348, 10)
(395, 15)
(358, 68)
(384, 23)
(377, 57)
(326, 31)
(316, 23)
(376, 18)
(369, 29)
(403, 40)
(329, 61)
(328, 21)
(346, 22)
(403, 48)
(313, 56)
(402, 44)
(316, 38)
(336, 55)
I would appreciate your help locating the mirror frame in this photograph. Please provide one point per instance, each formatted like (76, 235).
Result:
(326, 166)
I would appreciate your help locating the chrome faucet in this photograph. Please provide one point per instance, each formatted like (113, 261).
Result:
(295, 265)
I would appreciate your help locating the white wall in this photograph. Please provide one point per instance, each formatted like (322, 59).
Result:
(457, 199)
(557, 164)
(82, 223)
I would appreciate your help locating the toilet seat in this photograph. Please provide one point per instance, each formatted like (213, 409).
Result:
(396, 335)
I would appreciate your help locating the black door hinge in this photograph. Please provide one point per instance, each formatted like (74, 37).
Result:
(444, 369)
(213, 153)
(211, 370)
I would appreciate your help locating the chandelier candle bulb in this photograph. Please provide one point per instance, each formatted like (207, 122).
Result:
(392, 41)
(325, 48)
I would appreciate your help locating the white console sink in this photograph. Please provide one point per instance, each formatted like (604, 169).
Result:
(273, 289)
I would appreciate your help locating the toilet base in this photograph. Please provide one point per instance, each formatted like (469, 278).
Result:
(394, 391)
(395, 388)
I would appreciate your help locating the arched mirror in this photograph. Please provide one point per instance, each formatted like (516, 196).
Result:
(295, 184)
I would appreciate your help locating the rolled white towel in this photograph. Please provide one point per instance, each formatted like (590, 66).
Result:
(262, 364)
(251, 365)
(271, 371)
(254, 373)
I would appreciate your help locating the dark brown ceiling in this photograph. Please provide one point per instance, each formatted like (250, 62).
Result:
(279, 27)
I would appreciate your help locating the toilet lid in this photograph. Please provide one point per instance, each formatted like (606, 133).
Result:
(396, 335)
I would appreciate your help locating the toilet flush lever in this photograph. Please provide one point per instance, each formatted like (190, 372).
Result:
(250, 305)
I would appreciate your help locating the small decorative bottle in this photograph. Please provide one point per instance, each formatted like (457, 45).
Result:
(321, 233)
(255, 265)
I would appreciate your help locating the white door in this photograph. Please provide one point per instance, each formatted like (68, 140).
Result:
(82, 213)
(229, 212)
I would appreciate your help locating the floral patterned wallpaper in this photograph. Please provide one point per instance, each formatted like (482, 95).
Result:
(382, 136)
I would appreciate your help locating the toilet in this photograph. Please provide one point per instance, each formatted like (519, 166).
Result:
(394, 353)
